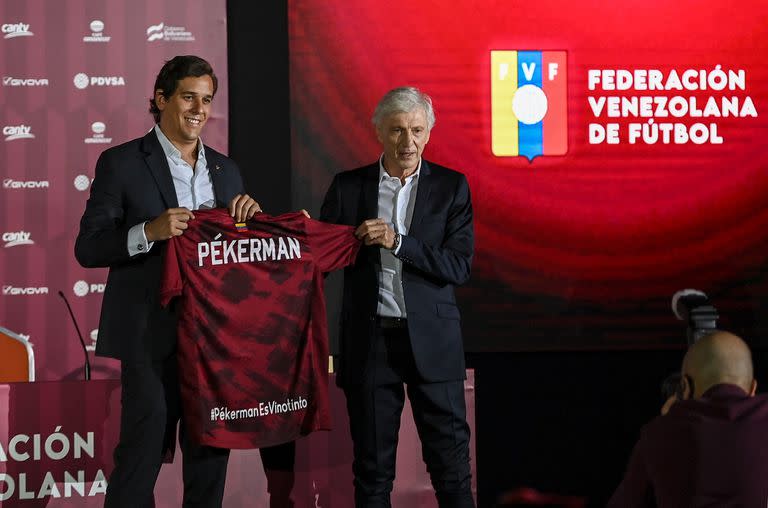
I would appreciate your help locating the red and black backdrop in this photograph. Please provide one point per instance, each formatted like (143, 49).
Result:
(582, 250)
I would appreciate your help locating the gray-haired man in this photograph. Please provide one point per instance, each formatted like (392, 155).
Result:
(400, 323)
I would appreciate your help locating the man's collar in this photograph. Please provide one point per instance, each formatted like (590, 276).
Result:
(383, 172)
(170, 149)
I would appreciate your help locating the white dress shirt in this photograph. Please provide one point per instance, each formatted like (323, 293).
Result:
(194, 188)
(396, 200)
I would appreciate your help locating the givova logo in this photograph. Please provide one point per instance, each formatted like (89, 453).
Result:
(10, 183)
(529, 114)
(11, 81)
(19, 291)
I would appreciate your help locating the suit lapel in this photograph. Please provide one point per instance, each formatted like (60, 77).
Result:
(158, 167)
(422, 196)
(369, 208)
(216, 170)
(369, 205)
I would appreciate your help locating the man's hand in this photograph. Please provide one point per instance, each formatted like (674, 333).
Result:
(668, 404)
(243, 207)
(170, 223)
(376, 232)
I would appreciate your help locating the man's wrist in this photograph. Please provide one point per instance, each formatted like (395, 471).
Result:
(396, 242)
(144, 229)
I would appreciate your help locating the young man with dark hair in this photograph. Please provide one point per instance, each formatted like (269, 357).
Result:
(144, 193)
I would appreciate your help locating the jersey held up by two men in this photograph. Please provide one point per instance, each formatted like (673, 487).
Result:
(252, 333)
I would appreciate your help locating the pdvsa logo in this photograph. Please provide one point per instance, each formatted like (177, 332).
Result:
(83, 81)
(529, 114)
(97, 32)
(82, 288)
(11, 81)
(10, 183)
(82, 182)
(12, 30)
(163, 32)
(14, 238)
(98, 137)
(14, 132)
(28, 291)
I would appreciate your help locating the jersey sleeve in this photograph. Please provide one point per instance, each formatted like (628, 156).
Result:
(171, 281)
(333, 246)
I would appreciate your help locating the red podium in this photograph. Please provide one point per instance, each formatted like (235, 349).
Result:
(56, 442)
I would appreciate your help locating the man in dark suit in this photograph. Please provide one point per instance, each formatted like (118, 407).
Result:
(143, 194)
(400, 323)
(709, 449)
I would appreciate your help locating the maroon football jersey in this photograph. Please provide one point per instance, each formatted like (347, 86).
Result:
(253, 339)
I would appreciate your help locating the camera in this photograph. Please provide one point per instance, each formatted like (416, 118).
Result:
(693, 307)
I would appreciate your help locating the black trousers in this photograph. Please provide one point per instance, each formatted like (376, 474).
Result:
(439, 411)
(151, 407)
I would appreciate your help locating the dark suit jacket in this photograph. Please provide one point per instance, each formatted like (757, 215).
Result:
(707, 452)
(133, 184)
(436, 254)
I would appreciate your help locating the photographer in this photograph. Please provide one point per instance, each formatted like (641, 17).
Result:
(709, 449)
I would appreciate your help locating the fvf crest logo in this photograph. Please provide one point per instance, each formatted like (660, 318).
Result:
(529, 114)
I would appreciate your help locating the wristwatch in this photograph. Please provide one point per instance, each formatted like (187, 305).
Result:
(396, 243)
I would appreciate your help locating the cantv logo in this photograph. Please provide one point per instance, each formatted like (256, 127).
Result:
(12, 239)
(529, 113)
(82, 288)
(14, 132)
(28, 291)
(12, 30)
(82, 81)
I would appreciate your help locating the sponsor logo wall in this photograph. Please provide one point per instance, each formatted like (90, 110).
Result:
(68, 91)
